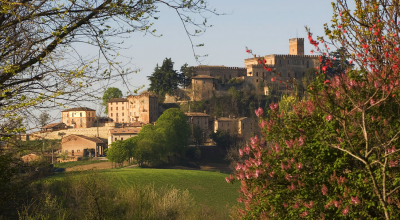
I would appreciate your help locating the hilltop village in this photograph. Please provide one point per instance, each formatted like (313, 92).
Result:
(83, 134)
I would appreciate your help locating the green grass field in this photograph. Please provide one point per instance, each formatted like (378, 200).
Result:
(77, 163)
(207, 188)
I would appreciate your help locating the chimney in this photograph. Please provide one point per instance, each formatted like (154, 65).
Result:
(205, 111)
(229, 116)
(234, 117)
(215, 117)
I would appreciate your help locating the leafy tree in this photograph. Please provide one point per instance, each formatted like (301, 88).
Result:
(110, 93)
(173, 123)
(197, 134)
(44, 119)
(164, 79)
(337, 156)
(118, 152)
(223, 139)
(185, 76)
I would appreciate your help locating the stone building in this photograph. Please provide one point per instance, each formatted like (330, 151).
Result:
(291, 67)
(202, 120)
(81, 117)
(142, 108)
(122, 134)
(83, 146)
(242, 127)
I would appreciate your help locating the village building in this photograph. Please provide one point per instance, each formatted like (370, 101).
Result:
(83, 146)
(81, 117)
(54, 127)
(242, 127)
(142, 108)
(122, 134)
(200, 119)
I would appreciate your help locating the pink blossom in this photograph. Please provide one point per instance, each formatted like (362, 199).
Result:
(289, 144)
(262, 124)
(272, 173)
(240, 152)
(299, 166)
(292, 187)
(392, 150)
(285, 205)
(355, 200)
(227, 180)
(324, 190)
(372, 102)
(301, 141)
(277, 148)
(259, 112)
(329, 117)
(336, 203)
(350, 61)
(304, 214)
(393, 163)
(345, 211)
(296, 205)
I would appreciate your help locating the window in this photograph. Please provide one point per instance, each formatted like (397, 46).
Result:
(288, 62)
(116, 109)
(230, 77)
(122, 139)
(80, 114)
(111, 108)
(115, 139)
(122, 119)
(198, 122)
(111, 114)
(67, 115)
(130, 113)
(72, 121)
(257, 80)
(122, 108)
(116, 114)
(280, 61)
(263, 74)
(256, 73)
(78, 151)
(123, 114)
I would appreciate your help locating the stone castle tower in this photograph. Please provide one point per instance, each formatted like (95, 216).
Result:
(296, 46)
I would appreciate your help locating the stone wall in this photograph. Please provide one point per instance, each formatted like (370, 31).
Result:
(89, 132)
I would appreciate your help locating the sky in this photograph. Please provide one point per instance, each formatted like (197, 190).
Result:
(265, 26)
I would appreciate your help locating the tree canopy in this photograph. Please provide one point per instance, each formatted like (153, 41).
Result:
(110, 93)
(164, 79)
(336, 155)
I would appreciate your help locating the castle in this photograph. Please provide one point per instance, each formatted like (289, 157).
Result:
(212, 80)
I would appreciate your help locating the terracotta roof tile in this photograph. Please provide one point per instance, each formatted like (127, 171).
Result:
(52, 125)
(78, 109)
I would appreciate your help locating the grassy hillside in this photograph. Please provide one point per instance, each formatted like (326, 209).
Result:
(207, 188)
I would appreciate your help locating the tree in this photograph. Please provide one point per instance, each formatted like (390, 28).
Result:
(44, 119)
(173, 123)
(118, 152)
(185, 76)
(337, 155)
(40, 66)
(110, 93)
(164, 79)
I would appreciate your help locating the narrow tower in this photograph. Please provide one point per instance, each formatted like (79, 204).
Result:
(296, 46)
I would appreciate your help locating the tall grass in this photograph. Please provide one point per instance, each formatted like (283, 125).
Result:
(91, 196)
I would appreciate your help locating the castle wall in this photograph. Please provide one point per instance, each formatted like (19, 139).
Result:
(222, 72)
(118, 111)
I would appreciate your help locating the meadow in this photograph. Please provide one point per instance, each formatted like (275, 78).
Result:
(208, 189)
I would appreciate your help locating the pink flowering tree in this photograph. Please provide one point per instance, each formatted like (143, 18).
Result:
(336, 155)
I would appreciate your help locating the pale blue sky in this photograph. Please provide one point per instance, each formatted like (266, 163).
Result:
(265, 26)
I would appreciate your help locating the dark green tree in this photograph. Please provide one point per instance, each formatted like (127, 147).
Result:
(110, 93)
(164, 79)
(186, 75)
(118, 152)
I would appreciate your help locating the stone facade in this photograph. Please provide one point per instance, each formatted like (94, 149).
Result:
(81, 117)
(242, 127)
(143, 108)
(122, 134)
(290, 68)
(83, 146)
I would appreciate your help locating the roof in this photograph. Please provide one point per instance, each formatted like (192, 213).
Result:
(136, 124)
(226, 119)
(199, 114)
(118, 100)
(78, 109)
(92, 139)
(125, 130)
(203, 77)
(52, 125)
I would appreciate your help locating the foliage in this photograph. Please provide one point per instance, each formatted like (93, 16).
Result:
(118, 152)
(286, 103)
(110, 93)
(337, 155)
(157, 143)
(44, 119)
(164, 79)
(185, 75)
(64, 155)
(197, 134)
(223, 139)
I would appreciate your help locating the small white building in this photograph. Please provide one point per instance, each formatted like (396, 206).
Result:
(122, 134)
